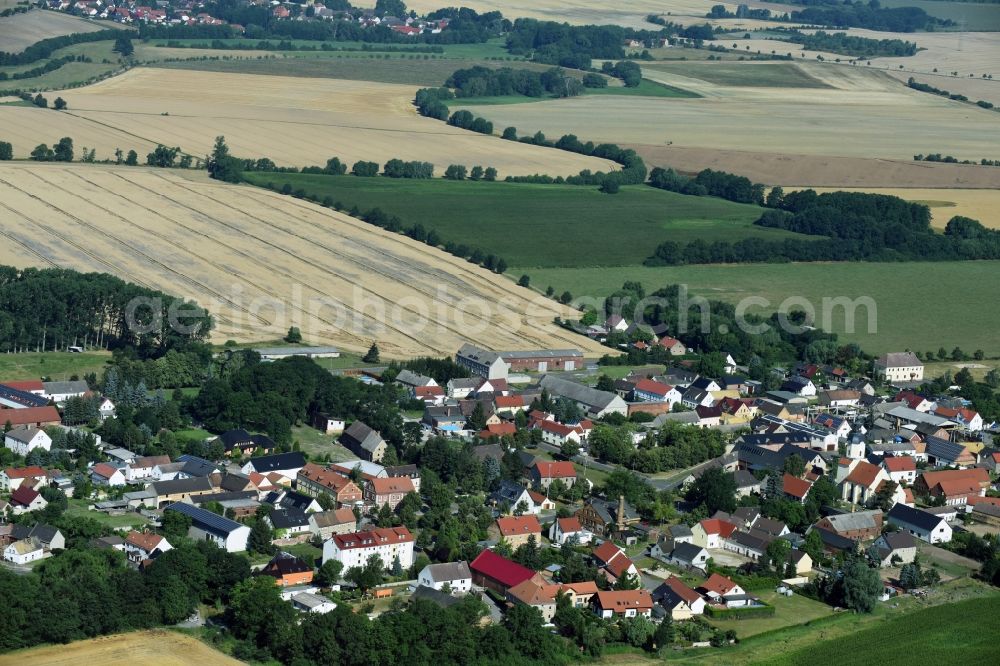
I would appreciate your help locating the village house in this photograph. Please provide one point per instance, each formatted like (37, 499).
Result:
(481, 362)
(24, 551)
(839, 398)
(180, 489)
(622, 603)
(287, 570)
(711, 532)
(363, 442)
(544, 472)
(613, 561)
(678, 600)
(31, 417)
(239, 442)
(899, 367)
(327, 424)
(719, 589)
(142, 546)
(596, 403)
(103, 474)
(497, 573)
(921, 524)
(391, 491)
(516, 530)
(324, 524)
(568, 529)
(901, 469)
(956, 487)
(207, 526)
(13, 477)
(26, 500)
(968, 419)
(142, 468)
(354, 549)
(48, 536)
(314, 480)
(857, 526)
(60, 392)
(544, 596)
(456, 575)
(606, 518)
(24, 440)
(285, 464)
(896, 548)
(558, 434)
(672, 345)
(310, 602)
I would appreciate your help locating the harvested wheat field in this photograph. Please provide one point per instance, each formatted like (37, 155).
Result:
(884, 118)
(293, 121)
(152, 648)
(982, 205)
(631, 14)
(20, 31)
(800, 171)
(261, 262)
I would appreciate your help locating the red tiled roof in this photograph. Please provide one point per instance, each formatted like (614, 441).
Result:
(622, 600)
(555, 470)
(962, 486)
(717, 526)
(146, 541)
(864, 474)
(568, 525)
(668, 342)
(23, 495)
(395, 484)
(428, 391)
(500, 569)
(794, 486)
(557, 429)
(655, 388)
(900, 464)
(537, 498)
(719, 584)
(379, 536)
(498, 430)
(606, 552)
(977, 474)
(30, 415)
(508, 401)
(517, 525)
(104, 470)
(682, 590)
(25, 472)
(28, 385)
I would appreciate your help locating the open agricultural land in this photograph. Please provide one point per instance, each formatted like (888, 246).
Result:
(982, 205)
(294, 122)
(569, 225)
(20, 31)
(261, 262)
(166, 648)
(962, 289)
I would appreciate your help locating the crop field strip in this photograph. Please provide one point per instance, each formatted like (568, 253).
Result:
(291, 121)
(208, 238)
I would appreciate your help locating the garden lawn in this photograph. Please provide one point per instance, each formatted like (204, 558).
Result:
(56, 365)
(787, 611)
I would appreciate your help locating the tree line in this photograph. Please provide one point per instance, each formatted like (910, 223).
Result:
(574, 46)
(709, 183)
(841, 42)
(479, 81)
(44, 48)
(52, 308)
(862, 226)
(865, 15)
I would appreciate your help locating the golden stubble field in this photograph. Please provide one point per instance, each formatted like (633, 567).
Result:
(293, 121)
(261, 262)
(20, 31)
(142, 648)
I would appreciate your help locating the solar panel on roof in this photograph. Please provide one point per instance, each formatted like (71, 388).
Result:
(212, 521)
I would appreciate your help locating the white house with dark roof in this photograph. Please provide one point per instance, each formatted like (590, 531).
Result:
(921, 524)
(363, 442)
(482, 362)
(454, 574)
(23, 441)
(899, 367)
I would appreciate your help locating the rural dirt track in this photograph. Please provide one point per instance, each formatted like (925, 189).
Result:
(142, 648)
(293, 121)
(261, 262)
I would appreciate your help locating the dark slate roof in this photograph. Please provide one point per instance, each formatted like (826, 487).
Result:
(360, 437)
(174, 486)
(507, 493)
(442, 599)
(42, 532)
(283, 519)
(835, 540)
(775, 438)
(685, 552)
(915, 517)
(204, 519)
(265, 464)
(294, 500)
(195, 466)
